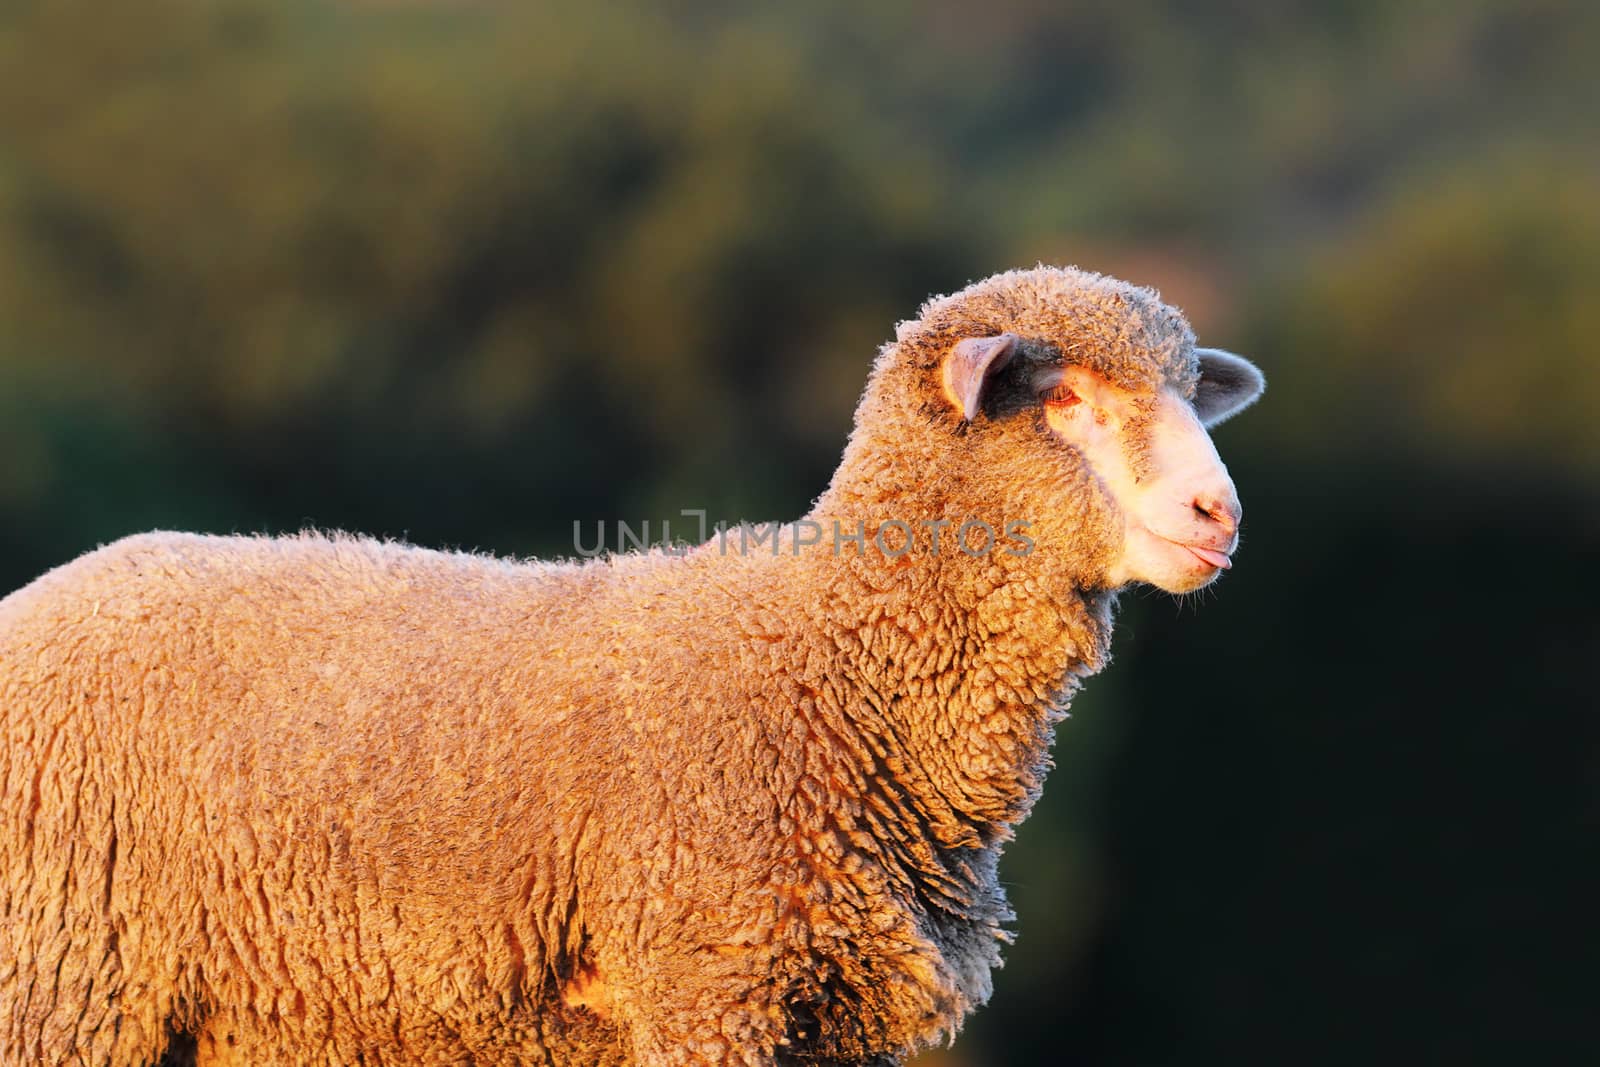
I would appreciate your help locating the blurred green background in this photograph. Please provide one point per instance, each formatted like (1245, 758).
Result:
(467, 272)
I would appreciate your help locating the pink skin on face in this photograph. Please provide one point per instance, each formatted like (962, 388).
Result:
(1179, 508)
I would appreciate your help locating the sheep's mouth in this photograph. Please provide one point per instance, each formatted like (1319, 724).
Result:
(1209, 556)
(1169, 563)
(1213, 558)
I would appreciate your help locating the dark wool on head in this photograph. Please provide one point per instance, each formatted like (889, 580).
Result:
(328, 800)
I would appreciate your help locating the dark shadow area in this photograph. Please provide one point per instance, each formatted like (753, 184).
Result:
(1352, 815)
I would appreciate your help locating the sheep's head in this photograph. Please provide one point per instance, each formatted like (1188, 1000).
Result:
(1147, 448)
(1080, 404)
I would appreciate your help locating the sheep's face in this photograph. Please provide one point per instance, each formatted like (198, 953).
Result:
(1179, 510)
(1148, 451)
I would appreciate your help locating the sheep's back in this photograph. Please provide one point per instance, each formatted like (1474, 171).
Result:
(299, 767)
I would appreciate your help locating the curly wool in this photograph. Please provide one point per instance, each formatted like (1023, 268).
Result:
(325, 800)
(1121, 331)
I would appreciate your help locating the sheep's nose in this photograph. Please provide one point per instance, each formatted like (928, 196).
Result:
(1221, 508)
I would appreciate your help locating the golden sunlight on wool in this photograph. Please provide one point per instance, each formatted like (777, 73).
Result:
(329, 800)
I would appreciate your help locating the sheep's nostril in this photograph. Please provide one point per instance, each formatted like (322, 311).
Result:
(1224, 513)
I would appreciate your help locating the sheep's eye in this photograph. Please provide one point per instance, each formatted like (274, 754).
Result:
(1060, 396)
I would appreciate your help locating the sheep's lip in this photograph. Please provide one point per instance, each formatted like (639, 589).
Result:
(1212, 558)
(1209, 556)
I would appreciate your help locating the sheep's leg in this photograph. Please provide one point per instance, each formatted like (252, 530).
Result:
(234, 1037)
(66, 999)
(702, 1035)
(239, 1039)
(218, 1044)
(712, 1011)
(71, 989)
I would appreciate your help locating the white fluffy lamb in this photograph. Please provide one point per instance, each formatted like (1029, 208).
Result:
(324, 800)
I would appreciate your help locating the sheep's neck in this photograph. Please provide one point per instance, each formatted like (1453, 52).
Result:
(958, 669)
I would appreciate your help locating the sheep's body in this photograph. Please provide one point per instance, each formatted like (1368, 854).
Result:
(316, 794)
(335, 801)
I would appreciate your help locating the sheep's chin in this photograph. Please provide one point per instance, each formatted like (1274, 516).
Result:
(1170, 566)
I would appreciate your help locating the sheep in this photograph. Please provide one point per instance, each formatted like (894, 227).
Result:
(328, 800)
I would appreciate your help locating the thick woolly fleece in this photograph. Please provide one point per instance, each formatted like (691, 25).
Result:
(323, 800)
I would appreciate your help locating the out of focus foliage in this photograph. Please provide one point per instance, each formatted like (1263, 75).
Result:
(467, 272)
(434, 250)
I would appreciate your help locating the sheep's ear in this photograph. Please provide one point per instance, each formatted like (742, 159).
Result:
(1228, 385)
(970, 364)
